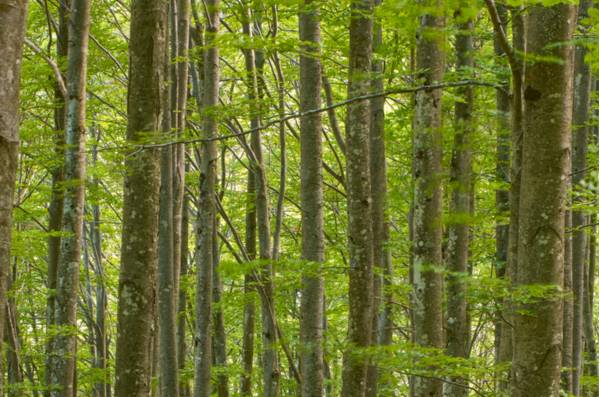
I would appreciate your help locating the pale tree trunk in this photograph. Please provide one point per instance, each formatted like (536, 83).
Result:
(360, 234)
(13, 14)
(311, 202)
(502, 328)
(270, 357)
(207, 208)
(457, 323)
(55, 206)
(136, 301)
(581, 103)
(64, 343)
(381, 328)
(545, 164)
(427, 200)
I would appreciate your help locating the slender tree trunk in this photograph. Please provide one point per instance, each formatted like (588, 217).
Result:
(220, 338)
(381, 332)
(360, 234)
(457, 325)
(64, 343)
(249, 290)
(182, 301)
(581, 102)
(13, 16)
(55, 206)
(548, 101)
(270, 358)
(135, 320)
(590, 339)
(311, 202)
(427, 214)
(503, 338)
(207, 208)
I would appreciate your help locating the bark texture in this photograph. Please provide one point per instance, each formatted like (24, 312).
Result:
(64, 343)
(427, 211)
(360, 234)
(311, 202)
(461, 187)
(136, 301)
(545, 163)
(13, 14)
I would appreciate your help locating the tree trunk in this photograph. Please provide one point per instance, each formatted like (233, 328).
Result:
(207, 208)
(581, 102)
(381, 331)
(13, 16)
(271, 372)
(457, 325)
(360, 234)
(547, 117)
(311, 202)
(220, 338)
(136, 302)
(427, 214)
(182, 301)
(249, 305)
(503, 338)
(588, 307)
(55, 206)
(64, 343)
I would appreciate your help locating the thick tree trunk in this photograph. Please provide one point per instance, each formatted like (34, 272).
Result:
(360, 234)
(427, 200)
(64, 343)
(457, 324)
(547, 118)
(581, 102)
(207, 208)
(311, 202)
(13, 14)
(135, 319)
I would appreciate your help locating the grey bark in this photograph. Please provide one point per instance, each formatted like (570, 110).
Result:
(55, 206)
(220, 337)
(427, 212)
(13, 16)
(64, 343)
(311, 202)
(547, 118)
(381, 332)
(461, 187)
(207, 208)
(271, 374)
(581, 103)
(136, 301)
(360, 234)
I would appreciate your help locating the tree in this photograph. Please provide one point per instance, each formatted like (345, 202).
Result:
(547, 116)
(360, 233)
(136, 302)
(461, 187)
(12, 30)
(311, 194)
(427, 204)
(64, 344)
